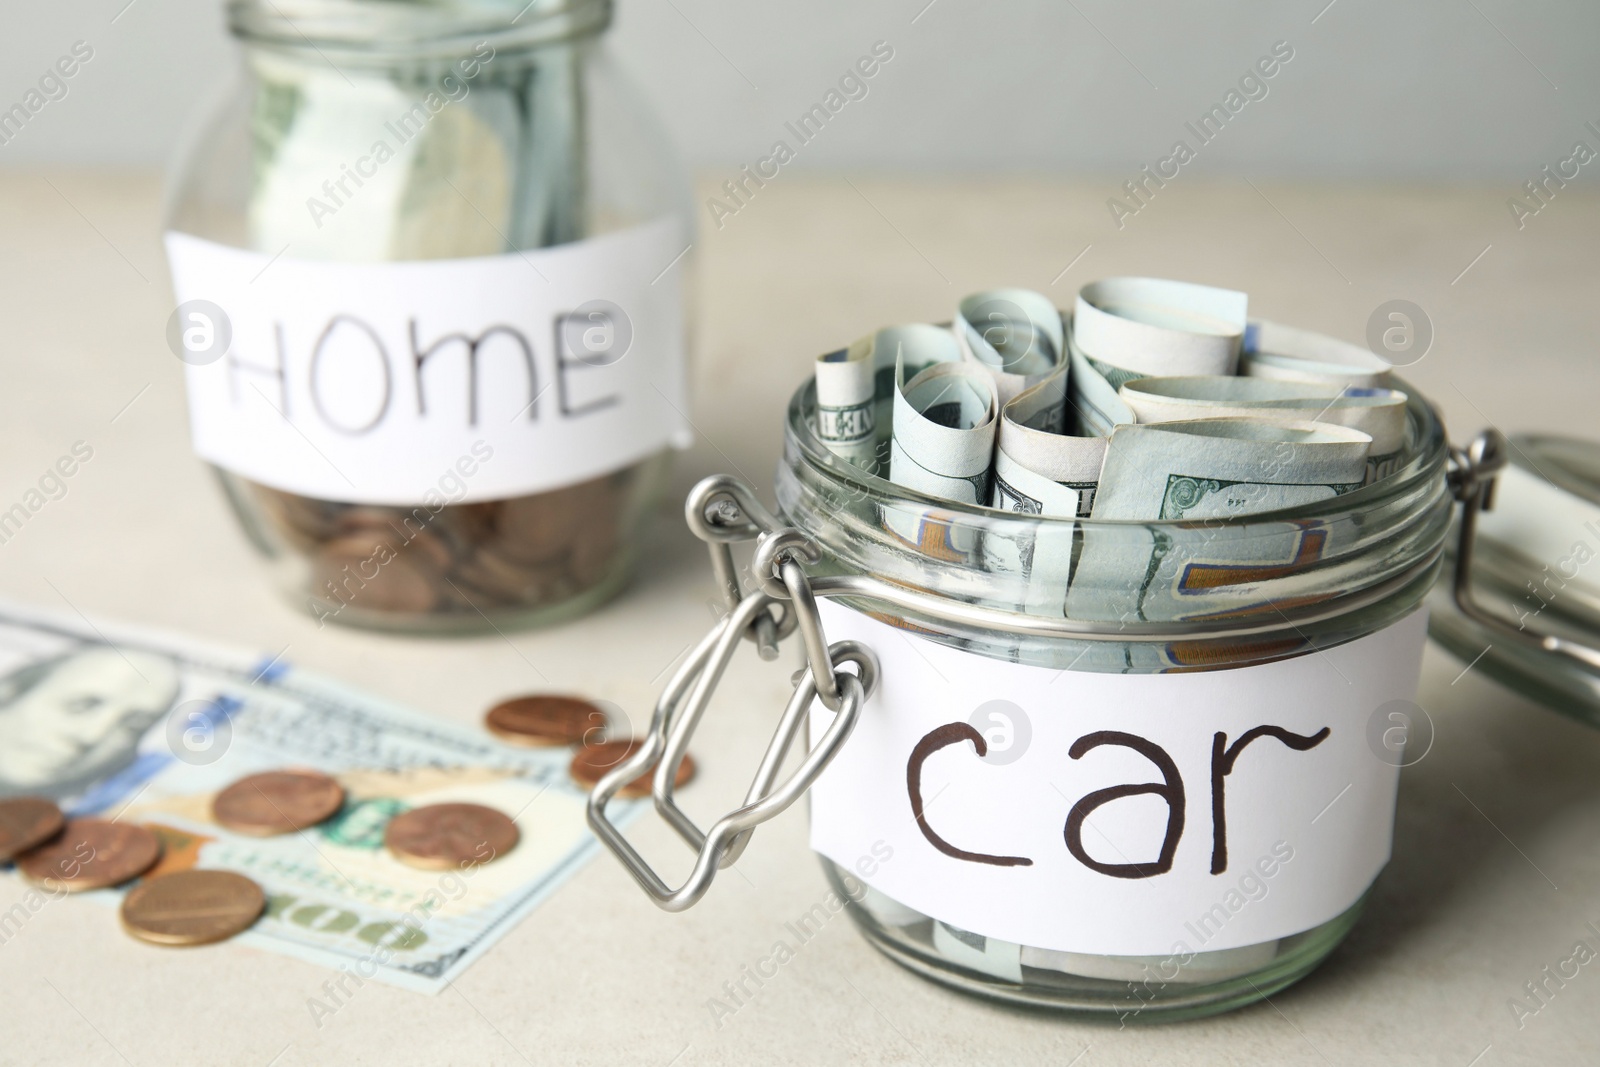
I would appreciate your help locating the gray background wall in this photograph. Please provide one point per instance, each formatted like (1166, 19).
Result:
(1452, 90)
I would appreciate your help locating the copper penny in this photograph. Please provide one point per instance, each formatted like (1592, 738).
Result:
(544, 721)
(442, 837)
(594, 762)
(492, 576)
(540, 528)
(192, 907)
(277, 802)
(91, 854)
(26, 822)
(376, 572)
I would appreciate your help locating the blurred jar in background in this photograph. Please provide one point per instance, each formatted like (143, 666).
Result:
(429, 263)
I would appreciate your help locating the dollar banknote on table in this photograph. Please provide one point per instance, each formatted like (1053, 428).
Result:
(147, 728)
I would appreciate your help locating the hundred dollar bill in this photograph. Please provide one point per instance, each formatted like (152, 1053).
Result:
(1287, 353)
(1225, 468)
(1039, 470)
(116, 722)
(364, 170)
(1211, 966)
(853, 383)
(1378, 413)
(1016, 333)
(1121, 328)
(846, 407)
(1003, 959)
(1126, 328)
(416, 161)
(1209, 469)
(944, 431)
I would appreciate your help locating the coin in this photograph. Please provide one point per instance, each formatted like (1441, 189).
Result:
(594, 762)
(26, 822)
(594, 559)
(545, 527)
(192, 907)
(372, 571)
(277, 802)
(91, 854)
(543, 720)
(501, 580)
(442, 837)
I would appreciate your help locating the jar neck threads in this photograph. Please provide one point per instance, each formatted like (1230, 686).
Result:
(385, 32)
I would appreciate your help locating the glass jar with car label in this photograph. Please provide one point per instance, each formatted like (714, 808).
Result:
(1103, 716)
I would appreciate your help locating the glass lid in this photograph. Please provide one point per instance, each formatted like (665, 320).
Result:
(1524, 606)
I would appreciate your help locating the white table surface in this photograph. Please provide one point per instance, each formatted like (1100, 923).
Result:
(1482, 892)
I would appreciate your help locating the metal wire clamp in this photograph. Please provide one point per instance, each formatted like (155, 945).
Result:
(722, 510)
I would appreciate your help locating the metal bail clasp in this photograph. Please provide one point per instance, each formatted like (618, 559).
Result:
(1473, 477)
(722, 510)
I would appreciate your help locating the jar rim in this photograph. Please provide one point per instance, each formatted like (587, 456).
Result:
(1328, 572)
(374, 32)
(1427, 463)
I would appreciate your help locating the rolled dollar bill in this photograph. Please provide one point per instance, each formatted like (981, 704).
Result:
(851, 382)
(1223, 468)
(1287, 353)
(1153, 326)
(441, 176)
(1209, 469)
(1002, 959)
(1126, 328)
(1190, 967)
(1376, 412)
(847, 410)
(945, 420)
(1038, 469)
(1016, 333)
(304, 124)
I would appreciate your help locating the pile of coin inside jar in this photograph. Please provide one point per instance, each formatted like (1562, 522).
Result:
(197, 907)
(460, 559)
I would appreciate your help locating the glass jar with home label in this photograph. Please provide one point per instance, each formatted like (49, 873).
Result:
(429, 268)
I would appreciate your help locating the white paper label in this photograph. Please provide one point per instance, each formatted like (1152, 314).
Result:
(370, 382)
(1124, 815)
